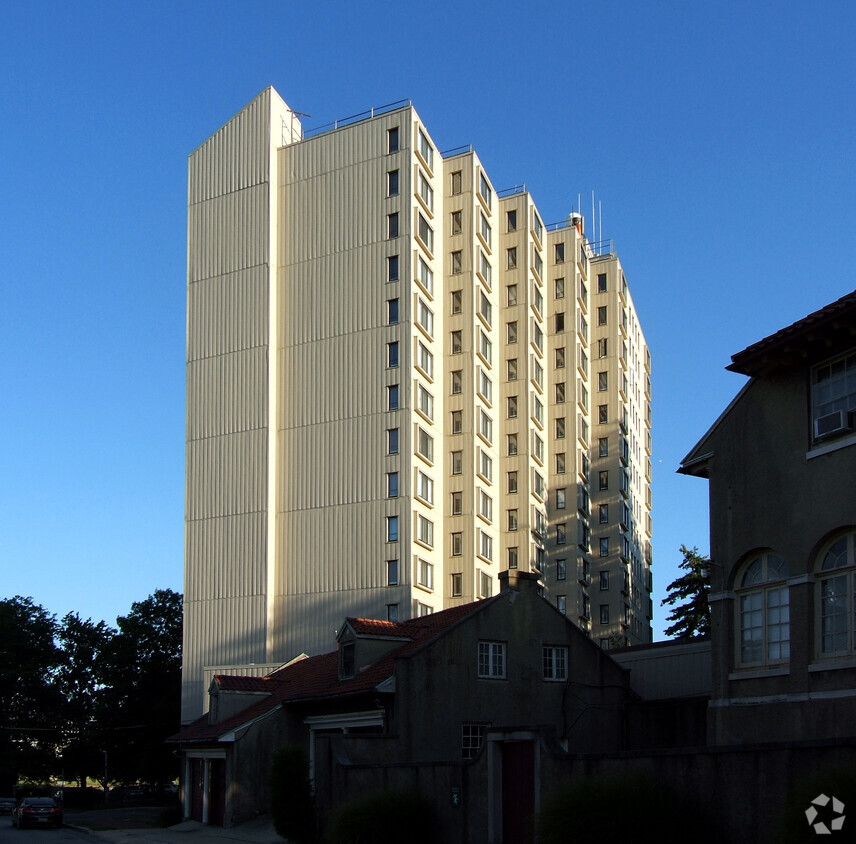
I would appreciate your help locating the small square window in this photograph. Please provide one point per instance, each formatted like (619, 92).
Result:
(511, 331)
(603, 479)
(601, 282)
(601, 315)
(560, 357)
(511, 295)
(511, 221)
(512, 444)
(392, 225)
(560, 428)
(456, 262)
(561, 569)
(392, 572)
(457, 422)
(562, 604)
(559, 288)
(604, 581)
(392, 397)
(392, 183)
(513, 557)
(457, 462)
(457, 381)
(457, 503)
(392, 441)
(602, 414)
(392, 268)
(603, 510)
(392, 484)
(392, 354)
(392, 139)
(512, 407)
(456, 183)
(603, 447)
(604, 546)
(560, 322)
(512, 482)
(491, 659)
(560, 392)
(512, 519)
(392, 528)
(560, 463)
(392, 612)
(604, 613)
(560, 253)
(561, 534)
(511, 258)
(456, 225)
(456, 301)
(457, 342)
(555, 663)
(457, 585)
(392, 311)
(561, 498)
(602, 381)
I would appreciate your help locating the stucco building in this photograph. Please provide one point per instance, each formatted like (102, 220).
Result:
(781, 465)
(400, 382)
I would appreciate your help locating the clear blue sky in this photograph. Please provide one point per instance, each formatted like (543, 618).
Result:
(719, 139)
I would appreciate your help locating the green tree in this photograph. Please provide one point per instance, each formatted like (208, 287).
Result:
(141, 704)
(30, 703)
(82, 678)
(691, 618)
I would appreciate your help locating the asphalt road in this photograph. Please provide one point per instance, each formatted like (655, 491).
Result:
(8, 834)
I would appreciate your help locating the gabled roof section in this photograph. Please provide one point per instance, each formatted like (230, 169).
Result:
(817, 336)
(317, 678)
(230, 683)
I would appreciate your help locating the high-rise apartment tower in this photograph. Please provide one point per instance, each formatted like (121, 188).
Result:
(399, 383)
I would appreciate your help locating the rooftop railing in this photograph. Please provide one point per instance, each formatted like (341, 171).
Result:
(356, 118)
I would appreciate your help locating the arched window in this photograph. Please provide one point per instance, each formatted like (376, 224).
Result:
(836, 582)
(763, 611)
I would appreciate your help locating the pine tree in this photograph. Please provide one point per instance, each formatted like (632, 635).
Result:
(691, 618)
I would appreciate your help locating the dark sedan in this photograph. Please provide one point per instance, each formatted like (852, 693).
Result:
(37, 811)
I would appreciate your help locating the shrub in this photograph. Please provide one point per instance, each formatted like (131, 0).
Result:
(384, 818)
(291, 801)
(620, 809)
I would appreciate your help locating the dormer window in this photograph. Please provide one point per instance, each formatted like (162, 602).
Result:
(347, 665)
(833, 398)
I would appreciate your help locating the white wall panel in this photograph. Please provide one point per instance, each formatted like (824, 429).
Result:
(228, 474)
(227, 393)
(233, 311)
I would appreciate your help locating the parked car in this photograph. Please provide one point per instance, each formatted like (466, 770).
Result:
(37, 811)
(7, 805)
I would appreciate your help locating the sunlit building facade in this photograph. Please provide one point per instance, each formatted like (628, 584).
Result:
(396, 377)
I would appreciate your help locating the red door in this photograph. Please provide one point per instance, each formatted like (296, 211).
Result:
(518, 792)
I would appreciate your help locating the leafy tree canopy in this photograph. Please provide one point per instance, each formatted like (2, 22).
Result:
(690, 618)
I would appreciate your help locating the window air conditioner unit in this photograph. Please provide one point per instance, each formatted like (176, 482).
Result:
(837, 422)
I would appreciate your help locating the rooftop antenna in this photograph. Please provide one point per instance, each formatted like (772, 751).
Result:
(593, 219)
(600, 213)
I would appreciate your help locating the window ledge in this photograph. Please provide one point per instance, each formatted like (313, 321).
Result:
(833, 664)
(834, 445)
(757, 673)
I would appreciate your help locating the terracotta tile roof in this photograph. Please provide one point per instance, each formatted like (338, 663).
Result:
(815, 327)
(239, 683)
(317, 677)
